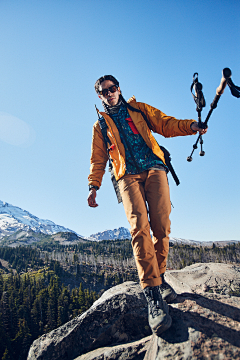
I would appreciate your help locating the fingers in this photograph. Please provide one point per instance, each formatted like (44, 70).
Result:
(93, 205)
(92, 202)
(92, 198)
(202, 131)
(194, 126)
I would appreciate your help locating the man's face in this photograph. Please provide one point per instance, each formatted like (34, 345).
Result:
(110, 98)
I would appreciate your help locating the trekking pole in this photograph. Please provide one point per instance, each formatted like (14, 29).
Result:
(200, 102)
(226, 80)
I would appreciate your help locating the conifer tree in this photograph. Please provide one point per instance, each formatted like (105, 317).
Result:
(6, 314)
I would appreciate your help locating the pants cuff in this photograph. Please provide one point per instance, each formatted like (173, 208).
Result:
(151, 282)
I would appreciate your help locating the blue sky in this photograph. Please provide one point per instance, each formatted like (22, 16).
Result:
(52, 52)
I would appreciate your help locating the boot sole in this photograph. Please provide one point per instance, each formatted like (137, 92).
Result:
(163, 326)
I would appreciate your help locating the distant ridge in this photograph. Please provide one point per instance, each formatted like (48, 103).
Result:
(14, 220)
(202, 243)
(120, 233)
(124, 233)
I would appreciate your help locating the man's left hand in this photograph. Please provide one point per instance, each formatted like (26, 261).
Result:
(195, 127)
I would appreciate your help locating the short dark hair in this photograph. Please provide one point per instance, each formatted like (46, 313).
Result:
(102, 79)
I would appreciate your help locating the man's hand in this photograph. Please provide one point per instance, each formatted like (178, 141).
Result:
(195, 127)
(92, 198)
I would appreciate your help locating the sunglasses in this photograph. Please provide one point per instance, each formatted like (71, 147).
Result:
(112, 89)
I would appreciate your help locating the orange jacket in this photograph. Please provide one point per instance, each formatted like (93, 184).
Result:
(162, 124)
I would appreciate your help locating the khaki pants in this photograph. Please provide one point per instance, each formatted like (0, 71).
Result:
(150, 254)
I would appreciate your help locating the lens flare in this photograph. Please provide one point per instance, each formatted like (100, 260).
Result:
(15, 131)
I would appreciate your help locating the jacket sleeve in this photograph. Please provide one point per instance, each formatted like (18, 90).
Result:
(98, 158)
(167, 126)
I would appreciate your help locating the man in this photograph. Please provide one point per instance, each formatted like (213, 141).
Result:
(140, 169)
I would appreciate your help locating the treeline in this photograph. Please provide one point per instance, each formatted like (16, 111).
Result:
(22, 258)
(74, 264)
(33, 305)
(181, 255)
(117, 249)
(107, 257)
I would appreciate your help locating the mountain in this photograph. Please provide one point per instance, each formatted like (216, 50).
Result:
(123, 233)
(220, 243)
(14, 219)
(120, 233)
(184, 241)
(20, 225)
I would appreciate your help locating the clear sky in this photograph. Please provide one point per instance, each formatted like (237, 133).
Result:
(53, 51)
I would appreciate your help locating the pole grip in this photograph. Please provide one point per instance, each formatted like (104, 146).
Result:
(226, 74)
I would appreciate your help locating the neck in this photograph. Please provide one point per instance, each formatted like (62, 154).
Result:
(112, 109)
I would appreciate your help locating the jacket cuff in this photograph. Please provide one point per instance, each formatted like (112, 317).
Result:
(93, 187)
(194, 131)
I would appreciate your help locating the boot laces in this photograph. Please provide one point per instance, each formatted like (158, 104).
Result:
(156, 303)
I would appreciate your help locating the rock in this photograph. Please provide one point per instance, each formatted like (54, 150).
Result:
(135, 350)
(205, 287)
(205, 322)
(203, 327)
(119, 315)
(215, 277)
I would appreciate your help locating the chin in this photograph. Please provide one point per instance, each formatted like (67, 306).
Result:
(113, 103)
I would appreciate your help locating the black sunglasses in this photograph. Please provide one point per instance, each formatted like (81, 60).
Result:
(112, 89)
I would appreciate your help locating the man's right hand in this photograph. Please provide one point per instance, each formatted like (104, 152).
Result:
(194, 126)
(92, 198)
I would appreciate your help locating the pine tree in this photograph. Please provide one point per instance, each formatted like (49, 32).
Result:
(81, 298)
(63, 307)
(6, 315)
(22, 341)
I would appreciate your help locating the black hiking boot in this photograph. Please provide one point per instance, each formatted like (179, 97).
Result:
(158, 317)
(167, 292)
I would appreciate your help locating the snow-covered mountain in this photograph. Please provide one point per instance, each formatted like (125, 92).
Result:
(13, 218)
(120, 233)
(202, 243)
(184, 241)
(123, 233)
